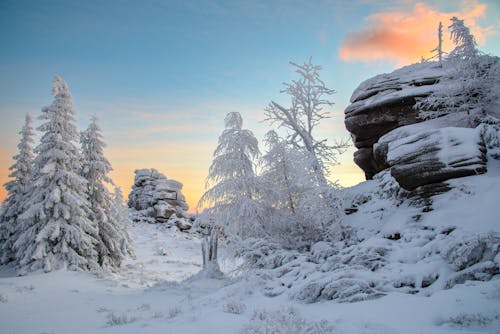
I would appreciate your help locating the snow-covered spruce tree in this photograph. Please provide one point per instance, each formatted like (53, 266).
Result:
(232, 183)
(468, 88)
(113, 242)
(119, 213)
(21, 173)
(465, 43)
(55, 231)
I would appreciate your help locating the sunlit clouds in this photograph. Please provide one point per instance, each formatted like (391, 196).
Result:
(406, 36)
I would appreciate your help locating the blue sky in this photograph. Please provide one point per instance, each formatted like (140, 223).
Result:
(161, 75)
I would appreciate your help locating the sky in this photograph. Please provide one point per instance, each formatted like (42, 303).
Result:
(161, 75)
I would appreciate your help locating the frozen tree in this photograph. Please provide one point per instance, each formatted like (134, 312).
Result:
(118, 213)
(113, 238)
(21, 173)
(439, 47)
(309, 95)
(465, 43)
(284, 173)
(55, 231)
(231, 181)
(289, 187)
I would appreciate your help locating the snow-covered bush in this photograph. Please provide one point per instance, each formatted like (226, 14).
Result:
(174, 312)
(115, 319)
(234, 307)
(468, 250)
(287, 320)
(468, 320)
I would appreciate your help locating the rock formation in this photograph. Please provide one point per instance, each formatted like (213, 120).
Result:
(384, 103)
(388, 134)
(156, 198)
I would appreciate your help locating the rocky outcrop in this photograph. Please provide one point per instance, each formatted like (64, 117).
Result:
(384, 103)
(156, 198)
(431, 156)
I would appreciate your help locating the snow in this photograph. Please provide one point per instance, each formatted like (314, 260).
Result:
(159, 291)
(409, 81)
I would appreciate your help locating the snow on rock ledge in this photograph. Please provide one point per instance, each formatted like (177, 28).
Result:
(418, 157)
(156, 198)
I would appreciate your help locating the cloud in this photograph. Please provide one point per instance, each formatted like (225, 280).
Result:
(406, 36)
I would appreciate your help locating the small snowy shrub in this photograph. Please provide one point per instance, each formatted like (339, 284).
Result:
(119, 319)
(234, 307)
(162, 250)
(173, 312)
(491, 137)
(144, 307)
(3, 298)
(468, 320)
(284, 321)
(469, 250)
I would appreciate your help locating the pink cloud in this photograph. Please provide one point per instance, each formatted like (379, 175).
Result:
(406, 36)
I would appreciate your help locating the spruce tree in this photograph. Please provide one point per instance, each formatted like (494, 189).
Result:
(21, 173)
(113, 242)
(233, 185)
(55, 231)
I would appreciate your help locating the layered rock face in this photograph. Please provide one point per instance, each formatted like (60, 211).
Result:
(156, 197)
(388, 134)
(384, 103)
(432, 156)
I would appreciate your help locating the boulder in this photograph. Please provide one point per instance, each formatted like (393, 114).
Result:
(422, 157)
(155, 196)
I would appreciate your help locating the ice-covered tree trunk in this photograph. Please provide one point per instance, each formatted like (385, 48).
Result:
(21, 173)
(209, 247)
(55, 231)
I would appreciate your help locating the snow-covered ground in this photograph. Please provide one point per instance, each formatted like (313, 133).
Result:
(157, 293)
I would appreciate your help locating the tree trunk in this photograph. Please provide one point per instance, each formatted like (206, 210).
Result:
(209, 250)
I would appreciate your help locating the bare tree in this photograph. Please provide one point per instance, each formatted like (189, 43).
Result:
(439, 47)
(309, 95)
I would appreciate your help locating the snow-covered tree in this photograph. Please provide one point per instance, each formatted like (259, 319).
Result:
(21, 173)
(119, 213)
(232, 183)
(468, 88)
(95, 168)
(309, 95)
(288, 185)
(55, 231)
(465, 43)
(282, 170)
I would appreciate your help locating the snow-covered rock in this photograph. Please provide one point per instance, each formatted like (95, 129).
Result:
(384, 103)
(156, 198)
(419, 157)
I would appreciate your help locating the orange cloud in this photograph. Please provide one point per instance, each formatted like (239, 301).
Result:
(404, 37)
